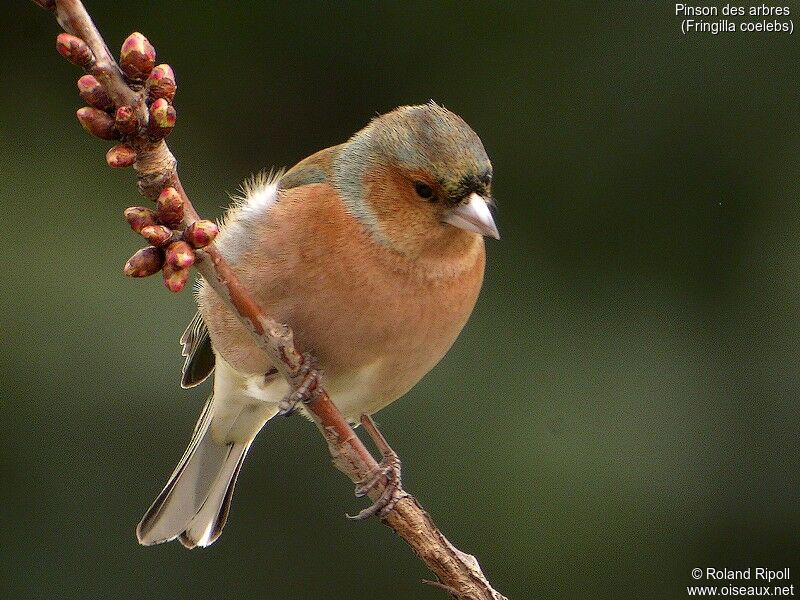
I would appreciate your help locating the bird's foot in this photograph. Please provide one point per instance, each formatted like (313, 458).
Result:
(387, 471)
(309, 377)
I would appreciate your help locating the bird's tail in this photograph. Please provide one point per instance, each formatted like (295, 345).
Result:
(194, 505)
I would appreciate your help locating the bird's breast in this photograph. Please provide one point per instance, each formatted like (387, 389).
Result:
(376, 321)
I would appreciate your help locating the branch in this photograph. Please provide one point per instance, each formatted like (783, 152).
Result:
(140, 97)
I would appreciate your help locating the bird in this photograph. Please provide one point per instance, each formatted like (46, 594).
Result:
(373, 252)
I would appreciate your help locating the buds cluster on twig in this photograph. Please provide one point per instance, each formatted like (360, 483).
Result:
(175, 249)
(105, 121)
(172, 248)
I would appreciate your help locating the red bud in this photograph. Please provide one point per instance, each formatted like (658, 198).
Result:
(145, 262)
(75, 50)
(170, 207)
(93, 93)
(120, 156)
(156, 234)
(139, 217)
(180, 255)
(137, 57)
(175, 279)
(125, 120)
(201, 233)
(161, 83)
(162, 119)
(97, 123)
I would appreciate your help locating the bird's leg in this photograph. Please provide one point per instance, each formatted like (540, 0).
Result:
(309, 376)
(389, 469)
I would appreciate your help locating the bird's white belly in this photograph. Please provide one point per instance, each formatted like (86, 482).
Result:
(353, 394)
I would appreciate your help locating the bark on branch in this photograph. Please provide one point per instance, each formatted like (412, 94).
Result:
(459, 573)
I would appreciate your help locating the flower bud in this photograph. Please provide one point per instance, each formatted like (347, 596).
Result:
(180, 255)
(200, 233)
(161, 83)
(139, 217)
(93, 93)
(162, 119)
(137, 57)
(97, 123)
(175, 279)
(156, 234)
(120, 156)
(170, 207)
(145, 262)
(125, 120)
(75, 50)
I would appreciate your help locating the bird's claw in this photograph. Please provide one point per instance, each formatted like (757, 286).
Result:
(309, 376)
(392, 491)
(389, 469)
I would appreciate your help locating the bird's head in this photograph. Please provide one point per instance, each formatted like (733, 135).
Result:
(418, 178)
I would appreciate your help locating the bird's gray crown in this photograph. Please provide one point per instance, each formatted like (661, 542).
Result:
(426, 138)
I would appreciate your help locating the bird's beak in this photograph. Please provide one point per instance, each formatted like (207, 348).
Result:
(473, 214)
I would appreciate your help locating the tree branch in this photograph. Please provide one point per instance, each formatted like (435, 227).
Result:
(142, 129)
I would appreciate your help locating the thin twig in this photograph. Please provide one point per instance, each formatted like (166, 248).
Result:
(458, 573)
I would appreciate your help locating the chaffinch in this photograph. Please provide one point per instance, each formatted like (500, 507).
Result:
(372, 251)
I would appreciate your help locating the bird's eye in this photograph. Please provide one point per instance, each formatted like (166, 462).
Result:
(423, 190)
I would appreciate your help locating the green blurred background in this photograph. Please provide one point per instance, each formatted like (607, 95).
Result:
(621, 408)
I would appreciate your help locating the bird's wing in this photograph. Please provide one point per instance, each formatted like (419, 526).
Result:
(258, 194)
(198, 352)
(314, 169)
